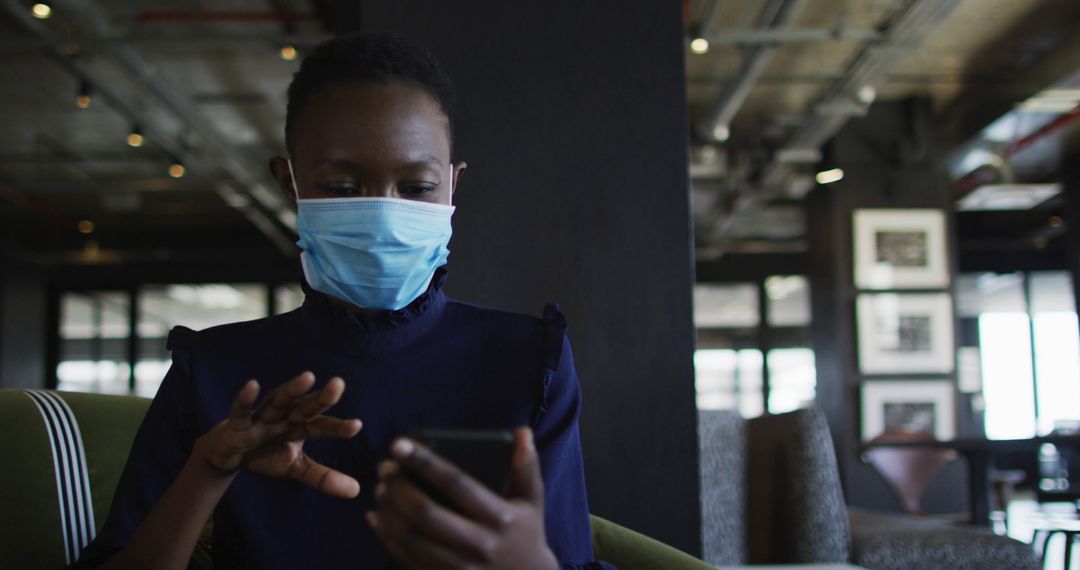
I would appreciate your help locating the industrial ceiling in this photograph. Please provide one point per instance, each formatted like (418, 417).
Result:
(771, 81)
(203, 83)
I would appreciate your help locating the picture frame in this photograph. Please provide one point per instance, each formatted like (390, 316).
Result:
(902, 333)
(900, 249)
(910, 406)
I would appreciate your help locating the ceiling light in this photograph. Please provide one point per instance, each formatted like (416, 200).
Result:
(989, 197)
(1056, 221)
(86, 227)
(721, 132)
(829, 176)
(699, 45)
(176, 169)
(135, 138)
(41, 11)
(82, 100)
(288, 52)
(867, 94)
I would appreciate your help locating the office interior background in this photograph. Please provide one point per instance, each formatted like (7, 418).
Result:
(685, 178)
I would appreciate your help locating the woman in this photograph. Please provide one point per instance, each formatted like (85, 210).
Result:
(292, 479)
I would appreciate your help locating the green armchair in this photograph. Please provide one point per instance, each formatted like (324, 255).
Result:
(69, 449)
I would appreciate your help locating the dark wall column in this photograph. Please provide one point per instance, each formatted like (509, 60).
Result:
(890, 160)
(22, 325)
(1070, 178)
(572, 118)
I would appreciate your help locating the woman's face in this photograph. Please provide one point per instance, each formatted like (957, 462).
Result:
(372, 140)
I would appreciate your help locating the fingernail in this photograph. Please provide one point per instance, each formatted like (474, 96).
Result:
(372, 519)
(387, 468)
(403, 447)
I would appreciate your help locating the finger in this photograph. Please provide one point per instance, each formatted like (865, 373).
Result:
(433, 521)
(240, 412)
(526, 479)
(317, 402)
(324, 426)
(421, 552)
(474, 499)
(278, 402)
(327, 480)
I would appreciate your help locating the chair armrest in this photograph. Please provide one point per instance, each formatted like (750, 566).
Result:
(629, 550)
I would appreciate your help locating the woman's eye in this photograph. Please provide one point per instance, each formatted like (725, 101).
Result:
(417, 189)
(340, 189)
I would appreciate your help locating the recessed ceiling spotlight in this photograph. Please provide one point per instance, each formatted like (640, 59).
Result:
(721, 133)
(86, 227)
(867, 94)
(82, 100)
(135, 138)
(41, 11)
(699, 45)
(176, 169)
(288, 52)
(829, 176)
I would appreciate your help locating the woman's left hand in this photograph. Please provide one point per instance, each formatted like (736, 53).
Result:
(490, 532)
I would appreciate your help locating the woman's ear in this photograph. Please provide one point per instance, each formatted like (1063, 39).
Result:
(459, 169)
(283, 174)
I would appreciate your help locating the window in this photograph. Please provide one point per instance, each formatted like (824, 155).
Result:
(93, 342)
(196, 306)
(97, 340)
(729, 380)
(742, 363)
(1029, 344)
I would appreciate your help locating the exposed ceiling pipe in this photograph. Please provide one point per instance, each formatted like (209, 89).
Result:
(173, 42)
(996, 166)
(785, 36)
(147, 16)
(1059, 122)
(842, 100)
(219, 155)
(708, 14)
(869, 68)
(717, 121)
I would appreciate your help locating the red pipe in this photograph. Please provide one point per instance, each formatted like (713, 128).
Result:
(1060, 122)
(976, 178)
(191, 16)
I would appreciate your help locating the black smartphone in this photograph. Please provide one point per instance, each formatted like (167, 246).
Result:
(483, 454)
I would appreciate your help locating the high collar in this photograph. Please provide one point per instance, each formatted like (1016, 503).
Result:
(369, 331)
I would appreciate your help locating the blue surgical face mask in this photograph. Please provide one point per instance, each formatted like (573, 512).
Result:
(375, 253)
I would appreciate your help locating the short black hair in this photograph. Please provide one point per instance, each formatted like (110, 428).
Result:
(368, 56)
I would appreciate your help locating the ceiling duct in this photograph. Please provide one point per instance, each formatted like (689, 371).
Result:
(871, 66)
(717, 122)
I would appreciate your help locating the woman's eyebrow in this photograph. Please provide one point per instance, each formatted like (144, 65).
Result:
(426, 160)
(423, 161)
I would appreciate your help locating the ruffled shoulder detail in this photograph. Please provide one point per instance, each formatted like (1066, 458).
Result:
(180, 342)
(554, 323)
(180, 337)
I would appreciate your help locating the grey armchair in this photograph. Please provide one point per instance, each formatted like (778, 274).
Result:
(771, 495)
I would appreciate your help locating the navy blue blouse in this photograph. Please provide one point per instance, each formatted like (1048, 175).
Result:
(435, 363)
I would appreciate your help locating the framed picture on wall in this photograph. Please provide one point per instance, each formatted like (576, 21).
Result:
(900, 249)
(904, 333)
(908, 406)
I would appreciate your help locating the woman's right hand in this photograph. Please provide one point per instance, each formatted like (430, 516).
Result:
(269, 439)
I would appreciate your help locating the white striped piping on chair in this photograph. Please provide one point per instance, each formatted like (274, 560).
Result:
(69, 466)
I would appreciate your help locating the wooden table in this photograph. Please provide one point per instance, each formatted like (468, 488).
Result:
(979, 453)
